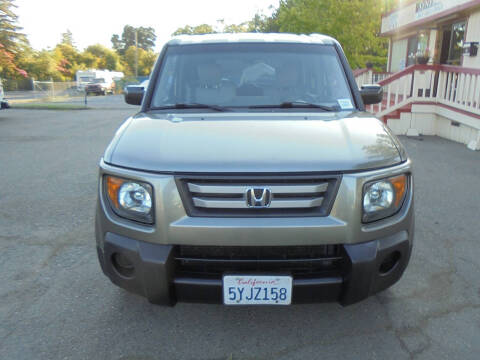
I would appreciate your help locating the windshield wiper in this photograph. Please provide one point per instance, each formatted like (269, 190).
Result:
(191, 106)
(296, 104)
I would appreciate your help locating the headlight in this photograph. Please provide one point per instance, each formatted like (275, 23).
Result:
(130, 199)
(383, 198)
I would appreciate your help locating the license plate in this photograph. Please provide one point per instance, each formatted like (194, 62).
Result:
(257, 290)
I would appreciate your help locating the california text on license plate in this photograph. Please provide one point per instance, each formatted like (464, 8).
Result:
(257, 289)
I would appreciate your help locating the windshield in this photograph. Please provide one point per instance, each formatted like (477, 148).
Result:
(98, 81)
(252, 75)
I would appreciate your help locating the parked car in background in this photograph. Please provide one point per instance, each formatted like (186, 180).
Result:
(3, 102)
(100, 86)
(253, 175)
(84, 77)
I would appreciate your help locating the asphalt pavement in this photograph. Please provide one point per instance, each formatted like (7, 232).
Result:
(55, 303)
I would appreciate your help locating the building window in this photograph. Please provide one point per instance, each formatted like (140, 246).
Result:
(417, 44)
(412, 50)
(456, 43)
(452, 43)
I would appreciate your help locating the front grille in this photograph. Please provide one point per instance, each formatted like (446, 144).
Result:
(300, 261)
(256, 197)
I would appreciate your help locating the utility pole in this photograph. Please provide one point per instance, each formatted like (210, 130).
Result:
(136, 52)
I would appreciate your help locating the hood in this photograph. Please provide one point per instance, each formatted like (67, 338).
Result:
(253, 142)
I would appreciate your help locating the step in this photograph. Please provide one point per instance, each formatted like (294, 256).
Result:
(395, 114)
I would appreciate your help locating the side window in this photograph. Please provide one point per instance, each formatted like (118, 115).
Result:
(166, 90)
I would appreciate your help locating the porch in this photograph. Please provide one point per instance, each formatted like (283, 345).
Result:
(440, 100)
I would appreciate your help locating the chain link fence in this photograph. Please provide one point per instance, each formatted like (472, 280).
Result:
(24, 91)
(17, 84)
(52, 89)
(29, 93)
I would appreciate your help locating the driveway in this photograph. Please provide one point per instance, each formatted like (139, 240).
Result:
(56, 304)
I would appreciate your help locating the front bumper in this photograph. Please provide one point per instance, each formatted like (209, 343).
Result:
(155, 276)
(152, 249)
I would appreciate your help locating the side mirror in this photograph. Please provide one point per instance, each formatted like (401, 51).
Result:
(134, 95)
(371, 94)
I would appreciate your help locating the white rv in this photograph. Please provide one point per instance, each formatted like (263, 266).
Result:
(84, 77)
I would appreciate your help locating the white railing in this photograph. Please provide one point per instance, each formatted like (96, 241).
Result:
(368, 76)
(454, 86)
(459, 89)
(379, 76)
(362, 76)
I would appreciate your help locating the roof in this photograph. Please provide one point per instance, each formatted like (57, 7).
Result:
(251, 37)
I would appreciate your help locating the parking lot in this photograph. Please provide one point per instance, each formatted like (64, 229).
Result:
(57, 304)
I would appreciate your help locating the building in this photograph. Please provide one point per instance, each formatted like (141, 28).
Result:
(448, 29)
(433, 82)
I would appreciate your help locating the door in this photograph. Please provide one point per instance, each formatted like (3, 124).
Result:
(447, 34)
(456, 43)
(452, 43)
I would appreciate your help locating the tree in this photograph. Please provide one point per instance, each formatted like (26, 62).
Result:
(234, 28)
(195, 30)
(354, 23)
(146, 60)
(11, 40)
(186, 30)
(145, 39)
(117, 43)
(67, 38)
(42, 65)
(7, 63)
(66, 58)
(390, 5)
(88, 60)
(262, 23)
(105, 58)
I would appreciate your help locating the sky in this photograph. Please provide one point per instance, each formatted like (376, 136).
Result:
(95, 21)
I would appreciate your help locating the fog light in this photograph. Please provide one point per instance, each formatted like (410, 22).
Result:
(123, 265)
(389, 262)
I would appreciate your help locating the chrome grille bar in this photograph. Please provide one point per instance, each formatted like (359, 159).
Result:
(296, 203)
(299, 203)
(240, 189)
(219, 203)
